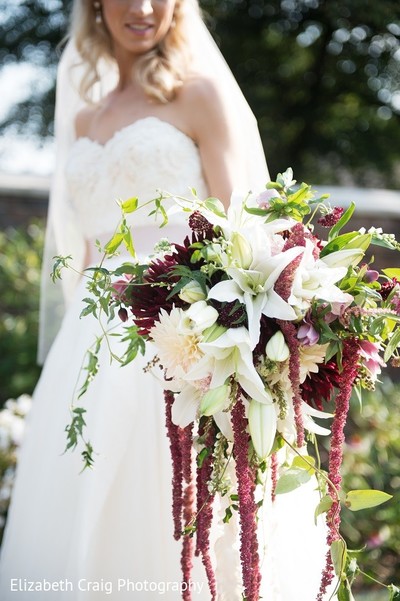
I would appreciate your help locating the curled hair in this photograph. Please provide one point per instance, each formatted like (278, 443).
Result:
(160, 71)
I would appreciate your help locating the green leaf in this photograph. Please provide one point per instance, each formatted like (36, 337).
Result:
(130, 205)
(129, 243)
(338, 243)
(332, 350)
(104, 304)
(136, 344)
(215, 205)
(90, 308)
(342, 221)
(204, 453)
(323, 506)
(392, 272)
(344, 591)
(393, 343)
(363, 499)
(339, 556)
(292, 479)
(303, 462)
(113, 244)
(255, 211)
(352, 240)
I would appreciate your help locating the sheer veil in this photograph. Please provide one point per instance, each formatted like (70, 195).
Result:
(63, 235)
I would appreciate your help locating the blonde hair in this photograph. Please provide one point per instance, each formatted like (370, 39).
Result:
(160, 71)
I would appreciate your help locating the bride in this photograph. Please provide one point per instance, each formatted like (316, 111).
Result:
(144, 102)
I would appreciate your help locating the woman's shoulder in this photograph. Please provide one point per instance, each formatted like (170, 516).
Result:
(202, 106)
(83, 120)
(201, 91)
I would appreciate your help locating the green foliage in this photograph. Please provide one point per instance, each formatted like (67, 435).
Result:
(371, 461)
(20, 257)
(320, 76)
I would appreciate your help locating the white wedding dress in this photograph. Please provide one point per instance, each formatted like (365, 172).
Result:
(113, 524)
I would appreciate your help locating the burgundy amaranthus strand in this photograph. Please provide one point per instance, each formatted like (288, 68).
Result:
(284, 283)
(290, 333)
(186, 444)
(247, 506)
(173, 432)
(274, 474)
(351, 352)
(205, 509)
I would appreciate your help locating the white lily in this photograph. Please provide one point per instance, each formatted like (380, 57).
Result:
(186, 406)
(255, 289)
(262, 426)
(309, 424)
(314, 278)
(230, 355)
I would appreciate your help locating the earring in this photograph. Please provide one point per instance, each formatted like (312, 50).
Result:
(97, 8)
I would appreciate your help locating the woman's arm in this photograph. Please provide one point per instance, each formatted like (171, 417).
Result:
(203, 109)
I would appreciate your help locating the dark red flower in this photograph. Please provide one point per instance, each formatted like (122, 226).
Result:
(387, 287)
(331, 218)
(147, 298)
(230, 315)
(318, 387)
(198, 223)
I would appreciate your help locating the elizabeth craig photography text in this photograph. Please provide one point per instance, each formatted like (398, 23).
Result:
(106, 586)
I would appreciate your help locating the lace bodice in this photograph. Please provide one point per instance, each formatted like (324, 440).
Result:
(143, 157)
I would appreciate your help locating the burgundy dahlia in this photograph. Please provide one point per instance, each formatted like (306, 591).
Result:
(147, 298)
(318, 387)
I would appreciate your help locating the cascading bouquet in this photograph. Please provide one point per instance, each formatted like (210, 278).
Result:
(257, 323)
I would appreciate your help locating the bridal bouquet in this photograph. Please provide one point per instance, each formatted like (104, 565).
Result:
(258, 325)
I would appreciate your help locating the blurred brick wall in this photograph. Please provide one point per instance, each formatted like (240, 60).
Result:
(22, 198)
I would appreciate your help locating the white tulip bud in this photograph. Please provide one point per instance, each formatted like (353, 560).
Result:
(277, 349)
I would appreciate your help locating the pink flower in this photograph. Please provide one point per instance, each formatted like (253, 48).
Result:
(307, 334)
(371, 275)
(372, 360)
(264, 198)
(337, 310)
(120, 286)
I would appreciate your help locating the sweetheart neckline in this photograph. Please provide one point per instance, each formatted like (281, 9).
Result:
(132, 125)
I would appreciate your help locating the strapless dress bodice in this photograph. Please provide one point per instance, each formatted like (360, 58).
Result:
(140, 159)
